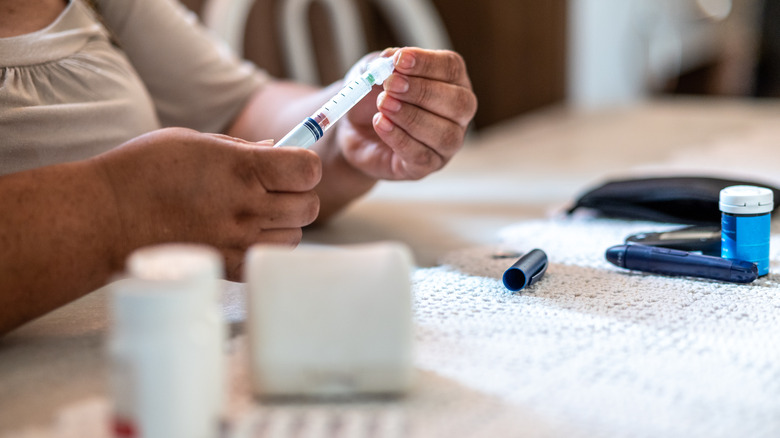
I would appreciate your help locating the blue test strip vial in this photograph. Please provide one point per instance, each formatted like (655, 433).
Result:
(745, 224)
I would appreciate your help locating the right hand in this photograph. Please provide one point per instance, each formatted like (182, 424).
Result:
(179, 185)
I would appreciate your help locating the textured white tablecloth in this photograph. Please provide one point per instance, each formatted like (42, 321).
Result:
(590, 350)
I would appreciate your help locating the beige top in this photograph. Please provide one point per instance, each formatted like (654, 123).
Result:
(67, 93)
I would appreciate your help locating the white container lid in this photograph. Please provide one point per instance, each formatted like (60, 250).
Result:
(168, 283)
(175, 261)
(746, 200)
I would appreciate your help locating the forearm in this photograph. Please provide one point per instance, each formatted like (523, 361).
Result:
(279, 107)
(56, 239)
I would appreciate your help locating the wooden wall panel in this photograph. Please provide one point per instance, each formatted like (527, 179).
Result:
(515, 52)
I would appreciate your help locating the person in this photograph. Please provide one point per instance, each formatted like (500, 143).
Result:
(126, 124)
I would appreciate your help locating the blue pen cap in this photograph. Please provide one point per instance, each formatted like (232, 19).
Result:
(526, 271)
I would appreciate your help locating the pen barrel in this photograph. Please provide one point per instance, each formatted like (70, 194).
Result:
(313, 128)
(345, 99)
(674, 262)
(303, 135)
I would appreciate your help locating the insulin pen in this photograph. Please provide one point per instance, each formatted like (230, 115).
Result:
(313, 128)
(675, 262)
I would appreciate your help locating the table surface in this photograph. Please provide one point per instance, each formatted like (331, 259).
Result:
(529, 168)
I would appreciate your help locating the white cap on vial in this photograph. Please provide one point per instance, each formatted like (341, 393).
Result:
(380, 69)
(746, 200)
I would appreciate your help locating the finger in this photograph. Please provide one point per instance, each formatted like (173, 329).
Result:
(276, 169)
(442, 135)
(411, 158)
(388, 52)
(450, 101)
(282, 236)
(281, 210)
(234, 263)
(440, 65)
(246, 217)
(241, 141)
(247, 236)
(235, 254)
(281, 169)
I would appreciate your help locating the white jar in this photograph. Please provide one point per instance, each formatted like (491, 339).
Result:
(167, 344)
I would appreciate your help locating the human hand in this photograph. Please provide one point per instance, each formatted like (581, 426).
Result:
(423, 112)
(178, 185)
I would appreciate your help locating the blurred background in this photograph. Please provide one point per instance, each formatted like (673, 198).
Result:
(524, 55)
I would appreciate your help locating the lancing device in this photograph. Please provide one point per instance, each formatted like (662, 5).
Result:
(705, 240)
(314, 127)
(667, 261)
(526, 271)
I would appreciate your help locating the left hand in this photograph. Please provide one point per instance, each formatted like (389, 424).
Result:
(415, 124)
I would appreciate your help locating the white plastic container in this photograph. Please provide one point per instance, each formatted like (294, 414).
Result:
(167, 344)
(330, 321)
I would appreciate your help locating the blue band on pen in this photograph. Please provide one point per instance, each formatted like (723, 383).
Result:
(313, 127)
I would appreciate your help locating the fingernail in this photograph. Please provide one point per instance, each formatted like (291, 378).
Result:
(269, 141)
(397, 84)
(382, 123)
(389, 104)
(404, 59)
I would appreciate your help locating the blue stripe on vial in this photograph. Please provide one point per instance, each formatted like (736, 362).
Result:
(315, 129)
(746, 238)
